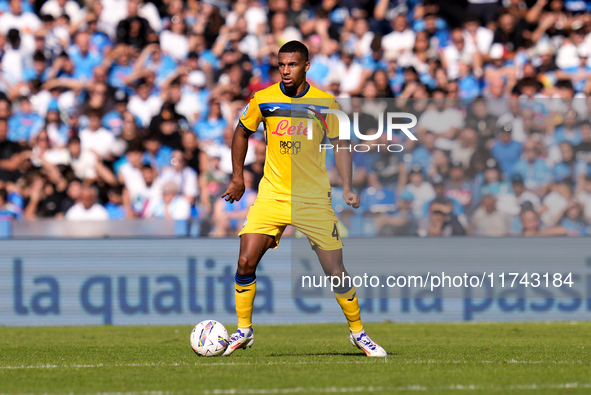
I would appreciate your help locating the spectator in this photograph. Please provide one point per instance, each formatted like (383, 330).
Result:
(174, 40)
(441, 221)
(441, 120)
(350, 71)
(459, 51)
(12, 155)
(401, 222)
(511, 201)
(467, 144)
(156, 154)
(167, 126)
(509, 33)
(130, 171)
(566, 169)
(568, 131)
(480, 120)
(479, 36)
(536, 174)
(113, 120)
(144, 104)
(53, 125)
(554, 204)
(401, 39)
(87, 208)
(421, 190)
(83, 57)
(56, 8)
(134, 29)
(95, 138)
(114, 206)
(171, 205)
(532, 226)
(83, 162)
(22, 122)
(573, 220)
(506, 150)
(139, 192)
(211, 128)
(487, 220)
(212, 180)
(19, 19)
(182, 175)
(458, 187)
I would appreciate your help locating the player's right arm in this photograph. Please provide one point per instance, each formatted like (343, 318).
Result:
(248, 124)
(239, 148)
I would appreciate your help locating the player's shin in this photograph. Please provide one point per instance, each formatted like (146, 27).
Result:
(244, 293)
(347, 299)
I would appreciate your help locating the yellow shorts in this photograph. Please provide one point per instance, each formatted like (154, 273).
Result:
(316, 221)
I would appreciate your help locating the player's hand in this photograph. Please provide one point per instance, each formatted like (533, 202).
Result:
(351, 199)
(235, 191)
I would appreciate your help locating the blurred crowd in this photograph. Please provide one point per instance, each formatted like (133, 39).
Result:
(114, 109)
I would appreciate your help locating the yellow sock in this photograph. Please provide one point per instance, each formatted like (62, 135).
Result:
(350, 306)
(244, 296)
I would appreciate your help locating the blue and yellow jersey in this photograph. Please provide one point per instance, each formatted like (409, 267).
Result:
(295, 163)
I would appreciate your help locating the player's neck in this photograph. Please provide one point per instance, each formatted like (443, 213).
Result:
(300, 91)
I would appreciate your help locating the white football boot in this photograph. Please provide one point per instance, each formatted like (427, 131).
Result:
(240, 339)
(368, 346)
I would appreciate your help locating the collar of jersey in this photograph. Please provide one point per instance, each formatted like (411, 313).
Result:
(296, 96)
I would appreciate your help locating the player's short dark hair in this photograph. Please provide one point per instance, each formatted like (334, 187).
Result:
(295, 47)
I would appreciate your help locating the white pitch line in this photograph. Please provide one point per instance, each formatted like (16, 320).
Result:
(366, 361)
(414, 387)
(363, 389)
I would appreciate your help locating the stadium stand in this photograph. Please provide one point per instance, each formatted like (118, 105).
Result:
(125, 109)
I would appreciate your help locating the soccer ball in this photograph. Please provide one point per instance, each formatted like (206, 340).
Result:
(209, 338)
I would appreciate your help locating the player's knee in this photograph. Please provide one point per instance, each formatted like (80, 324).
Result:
(246, 266)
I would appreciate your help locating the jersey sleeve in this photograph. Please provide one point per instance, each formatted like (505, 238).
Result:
(251, 117)
(332, 122)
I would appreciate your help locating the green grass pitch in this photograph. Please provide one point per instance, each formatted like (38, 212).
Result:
(441, 358)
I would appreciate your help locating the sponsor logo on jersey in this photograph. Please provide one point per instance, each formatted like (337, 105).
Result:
(284, 127)
(290, 147)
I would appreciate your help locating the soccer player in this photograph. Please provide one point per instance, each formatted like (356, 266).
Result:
(295, 189)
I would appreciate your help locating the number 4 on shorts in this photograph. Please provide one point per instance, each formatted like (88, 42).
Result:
(335, 232)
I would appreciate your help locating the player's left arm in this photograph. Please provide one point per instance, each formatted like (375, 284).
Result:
(344, 165)
(343, 158)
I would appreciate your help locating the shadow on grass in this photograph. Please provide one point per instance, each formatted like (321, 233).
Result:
(329, 354)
